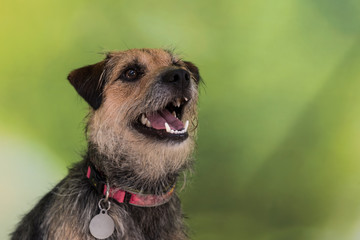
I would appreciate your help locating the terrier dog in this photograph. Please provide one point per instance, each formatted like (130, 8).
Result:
(141, 133)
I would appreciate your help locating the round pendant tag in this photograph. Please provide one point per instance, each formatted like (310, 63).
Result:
(102, 225)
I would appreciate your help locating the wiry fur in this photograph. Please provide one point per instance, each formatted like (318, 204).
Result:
(128, 159)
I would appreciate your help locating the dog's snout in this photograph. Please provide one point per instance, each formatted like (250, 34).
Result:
(178, 77)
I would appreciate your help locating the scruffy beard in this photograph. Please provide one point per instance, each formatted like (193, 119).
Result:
(150, 159)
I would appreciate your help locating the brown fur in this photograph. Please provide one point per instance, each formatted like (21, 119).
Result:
(122, 104)
(129, 159)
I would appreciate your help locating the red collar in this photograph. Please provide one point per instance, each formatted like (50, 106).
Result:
(123, 196)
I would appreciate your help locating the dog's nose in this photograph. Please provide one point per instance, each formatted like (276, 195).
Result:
(178, 77)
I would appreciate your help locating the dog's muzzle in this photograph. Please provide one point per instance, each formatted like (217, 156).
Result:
(166, 122)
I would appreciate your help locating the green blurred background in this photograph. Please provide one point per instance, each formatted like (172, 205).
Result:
(278, 152)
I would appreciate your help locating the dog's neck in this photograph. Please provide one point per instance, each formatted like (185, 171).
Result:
(119, 176)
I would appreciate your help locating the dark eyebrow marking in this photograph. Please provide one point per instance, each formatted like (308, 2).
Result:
(136, 64)
(171, 53)
(175, 61)
(146, 50)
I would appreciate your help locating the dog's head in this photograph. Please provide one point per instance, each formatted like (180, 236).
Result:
(143, 108)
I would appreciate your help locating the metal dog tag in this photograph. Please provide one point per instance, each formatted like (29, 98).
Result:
(102, 225)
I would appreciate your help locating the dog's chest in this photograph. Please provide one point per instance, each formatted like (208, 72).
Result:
(163, 222)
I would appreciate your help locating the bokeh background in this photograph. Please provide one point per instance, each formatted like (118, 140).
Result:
(278, 153)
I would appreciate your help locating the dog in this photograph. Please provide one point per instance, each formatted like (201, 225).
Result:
(141, 134)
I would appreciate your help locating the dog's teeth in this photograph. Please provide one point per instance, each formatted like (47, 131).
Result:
(143, 119)
(172, 131)
(168, 129)
(186, 125)
(178, 102)
(186, 99)
(174, 113)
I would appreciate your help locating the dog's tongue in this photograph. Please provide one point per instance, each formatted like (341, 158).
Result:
(158, 119)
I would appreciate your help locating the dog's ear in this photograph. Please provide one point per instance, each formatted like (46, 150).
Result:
(194, 70)
(89, 83)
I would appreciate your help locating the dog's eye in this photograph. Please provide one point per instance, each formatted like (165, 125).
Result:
(131, 74)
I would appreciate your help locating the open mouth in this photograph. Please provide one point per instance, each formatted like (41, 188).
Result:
(165, 123)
